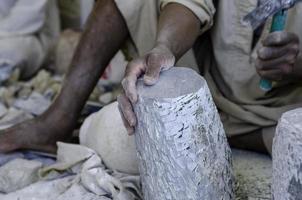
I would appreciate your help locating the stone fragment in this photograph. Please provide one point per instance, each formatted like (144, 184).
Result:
(56, 88)
(182, 147)
(7, 95)
(36, 104)
(15, 76)
(106, 98)
(24, 92)
(94, 96)
(6, 69)
(287, 157)
(41, 82)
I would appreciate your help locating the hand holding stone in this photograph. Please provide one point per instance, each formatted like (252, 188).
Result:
(150, 65)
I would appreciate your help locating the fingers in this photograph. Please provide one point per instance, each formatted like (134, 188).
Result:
(160, 58)
(278, 55)
(130, 129)
(153, 62)
(133, 71)
(156, 62)
(268, 53)
(280, 38)
(127, 114)
(277, 73)
(275, 63)
(272, 75)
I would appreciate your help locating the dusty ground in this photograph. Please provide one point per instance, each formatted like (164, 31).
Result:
(253, 174)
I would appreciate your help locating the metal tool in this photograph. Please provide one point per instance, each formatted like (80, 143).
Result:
(259, 15)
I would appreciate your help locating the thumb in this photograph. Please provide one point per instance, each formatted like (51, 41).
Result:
(155, 63)
(153, 68)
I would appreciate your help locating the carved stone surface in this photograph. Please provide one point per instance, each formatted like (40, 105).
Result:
(182, 148)
(287, 157)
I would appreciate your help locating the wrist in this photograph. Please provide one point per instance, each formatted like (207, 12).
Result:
(167, 48)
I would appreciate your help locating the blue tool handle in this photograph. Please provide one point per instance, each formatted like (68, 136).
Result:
(278, 24)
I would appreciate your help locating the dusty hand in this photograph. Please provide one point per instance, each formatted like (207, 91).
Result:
(158, 59)
(278, 55)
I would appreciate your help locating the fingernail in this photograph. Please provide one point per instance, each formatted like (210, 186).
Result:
(132, 122)
(133, 98)
(130, 131)
(149, 80)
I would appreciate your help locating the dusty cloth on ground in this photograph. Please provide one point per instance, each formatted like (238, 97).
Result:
(28, 31)
(230, 67)
(20, 169)
(78, 174)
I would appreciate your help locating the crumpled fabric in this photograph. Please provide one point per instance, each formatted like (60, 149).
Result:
(78, 174)
(18, 174)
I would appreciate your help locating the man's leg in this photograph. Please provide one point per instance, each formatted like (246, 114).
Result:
(105, 33)
(268, 135)
(259, 141)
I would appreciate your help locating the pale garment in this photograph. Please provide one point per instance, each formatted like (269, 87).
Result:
(103, 166)
(28, 31)
(228, 61)
(78, 174)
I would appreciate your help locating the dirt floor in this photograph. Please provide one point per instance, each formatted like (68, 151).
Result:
(253, 175)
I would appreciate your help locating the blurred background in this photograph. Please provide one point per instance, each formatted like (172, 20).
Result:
(37, 42)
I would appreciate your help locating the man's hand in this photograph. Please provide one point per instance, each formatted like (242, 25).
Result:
(158, 59)
(277, 58)
(178, 28)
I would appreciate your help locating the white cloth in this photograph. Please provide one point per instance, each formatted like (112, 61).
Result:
(28, 30)
(78, 174)
(24, 17)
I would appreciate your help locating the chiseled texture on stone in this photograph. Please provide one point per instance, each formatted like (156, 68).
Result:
(287, 157)
(182, 148)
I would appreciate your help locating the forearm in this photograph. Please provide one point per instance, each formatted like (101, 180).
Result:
(105, 33)
(178, 29)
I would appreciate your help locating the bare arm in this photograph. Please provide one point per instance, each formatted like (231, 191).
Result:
(178, 29)
(105, 33)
